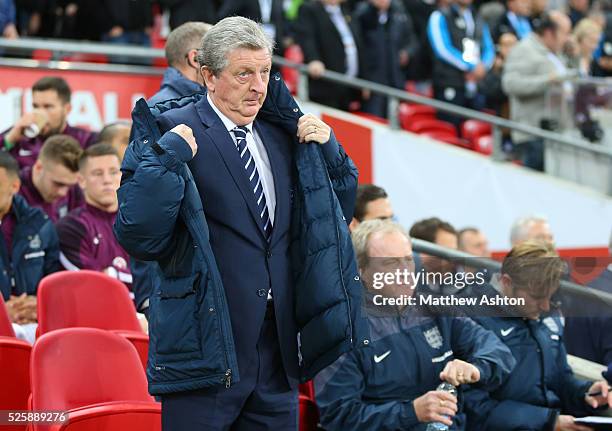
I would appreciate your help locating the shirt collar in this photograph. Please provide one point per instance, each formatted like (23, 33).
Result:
(333, 9)
(229, 124)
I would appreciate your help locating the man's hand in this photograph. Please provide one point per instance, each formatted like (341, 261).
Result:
(435, 406)
(22, 309)
(316, 68)
(116, 31)
(477, 74)
(599, 400)
(16, 133)
(186, 133)
(459, 372)
(10, 32)
(566, 423)
(312, 129)
(404, 58)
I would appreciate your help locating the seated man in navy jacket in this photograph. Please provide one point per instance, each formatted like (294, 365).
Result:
(29, 248)
(392, 384)
(542, 392)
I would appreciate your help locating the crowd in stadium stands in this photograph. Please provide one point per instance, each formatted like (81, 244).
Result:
(58, 197)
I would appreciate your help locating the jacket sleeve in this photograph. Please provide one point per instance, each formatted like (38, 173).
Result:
(339, 390)
(440, 41)
(571, 389)
(481, 347)
(488, 48)
(343, 175)
(519, 78)
(485, 413)
(52, 263)
(150, 199)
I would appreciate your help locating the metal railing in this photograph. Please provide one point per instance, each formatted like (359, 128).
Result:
(63, 48)
(495, 266)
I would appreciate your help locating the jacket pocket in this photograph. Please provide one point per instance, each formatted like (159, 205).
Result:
(175, 319)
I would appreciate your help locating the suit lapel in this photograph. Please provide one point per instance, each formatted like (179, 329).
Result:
(224, 143)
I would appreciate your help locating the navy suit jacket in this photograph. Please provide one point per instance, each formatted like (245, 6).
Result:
(249, 264)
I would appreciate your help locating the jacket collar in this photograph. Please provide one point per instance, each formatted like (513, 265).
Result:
(174, 79)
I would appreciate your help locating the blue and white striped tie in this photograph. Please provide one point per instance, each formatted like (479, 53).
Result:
(240, 133)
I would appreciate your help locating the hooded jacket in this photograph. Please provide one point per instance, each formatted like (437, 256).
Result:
(161, 218)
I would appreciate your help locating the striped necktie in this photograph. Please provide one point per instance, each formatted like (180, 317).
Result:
(240, 133)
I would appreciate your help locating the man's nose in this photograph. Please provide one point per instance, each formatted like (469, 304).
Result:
(258, 84)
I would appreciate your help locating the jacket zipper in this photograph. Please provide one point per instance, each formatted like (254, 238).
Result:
(348, 302)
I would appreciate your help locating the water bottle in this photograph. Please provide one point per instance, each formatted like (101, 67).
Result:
(439, 426)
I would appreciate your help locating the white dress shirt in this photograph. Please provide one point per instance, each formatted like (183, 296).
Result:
(260, 157)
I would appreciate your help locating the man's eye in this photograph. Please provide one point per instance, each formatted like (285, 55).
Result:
(243, 74)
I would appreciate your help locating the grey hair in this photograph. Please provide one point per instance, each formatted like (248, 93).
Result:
(183, 39)
(362, 233)
(228, 34)
(520, 229)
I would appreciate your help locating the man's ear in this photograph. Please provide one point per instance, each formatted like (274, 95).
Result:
(506, 284)
(81, 180)
(209, 79)
(15, 184)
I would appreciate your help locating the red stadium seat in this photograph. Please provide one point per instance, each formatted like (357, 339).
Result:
(372, 117)
(6, 328)
(14, 377)
(96, 376)
(292, 76)
(484, 145)
(432, 125)
(140, 341)
(42, 55)
(449, 139)
(474, 129)
(87, 58)
(309, 414)
(409, 113)
(85, 299)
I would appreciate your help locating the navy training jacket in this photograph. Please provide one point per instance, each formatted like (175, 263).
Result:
(161, 219)
(374, 388)
(542, 384)
(35, 251)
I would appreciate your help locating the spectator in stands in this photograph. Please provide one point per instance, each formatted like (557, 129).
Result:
(86, 234)
(371, 202)
(117, 135)
(588, 323)
(329, 40)
(491, 85)
(183, 76)
(391, 383)
(8, 28)
(514, 21)
(578, 10)
(29, 247)
(586, 36)
(531, 228)
(463, 52)
(474, 242)
(541, 393)
(603, 55)
(51, 104)
(128, 22)
(51, 183)
(538, 7)
(182, 11)
(389, 44)
(532, 68)
(440, 233)
(269, 13)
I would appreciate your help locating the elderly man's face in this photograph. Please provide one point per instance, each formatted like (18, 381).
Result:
(240, 89)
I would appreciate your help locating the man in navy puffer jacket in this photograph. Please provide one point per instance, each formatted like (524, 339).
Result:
(230, 295)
